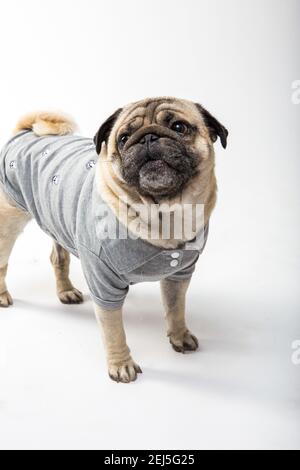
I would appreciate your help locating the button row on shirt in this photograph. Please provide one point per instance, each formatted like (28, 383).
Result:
(175, 261)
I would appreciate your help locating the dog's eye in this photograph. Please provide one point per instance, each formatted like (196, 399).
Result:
(123, 139)
(179, 127)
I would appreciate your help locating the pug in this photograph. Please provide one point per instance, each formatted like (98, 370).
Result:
(126, 203)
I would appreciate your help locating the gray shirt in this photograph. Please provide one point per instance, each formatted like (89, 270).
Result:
(53, 178)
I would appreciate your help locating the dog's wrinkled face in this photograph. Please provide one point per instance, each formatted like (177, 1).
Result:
(160, 144)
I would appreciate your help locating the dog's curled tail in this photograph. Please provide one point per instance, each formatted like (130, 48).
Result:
(43, 123)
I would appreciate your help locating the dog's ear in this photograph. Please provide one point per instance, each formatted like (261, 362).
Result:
(215, 128)
(105, 130)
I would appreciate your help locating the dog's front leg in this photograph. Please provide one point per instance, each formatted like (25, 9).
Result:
(121, 367)
(174, 299)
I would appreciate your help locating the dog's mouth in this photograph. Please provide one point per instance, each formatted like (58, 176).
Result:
(157, 178)
(160, 169)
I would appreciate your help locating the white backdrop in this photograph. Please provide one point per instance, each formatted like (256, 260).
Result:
(239, 59)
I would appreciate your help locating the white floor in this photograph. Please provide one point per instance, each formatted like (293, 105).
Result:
(241, 61)
(240, 391)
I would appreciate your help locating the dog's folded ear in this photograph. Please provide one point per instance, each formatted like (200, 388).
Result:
(105, 130)
(215, 128)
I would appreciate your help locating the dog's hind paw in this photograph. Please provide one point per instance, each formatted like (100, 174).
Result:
(73, 296)
(5, 300)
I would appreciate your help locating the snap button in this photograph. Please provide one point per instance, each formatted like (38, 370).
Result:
(90, 164)
(45, 153)
(175, 255)
(174, 263)
(13, 164)
(55, 179)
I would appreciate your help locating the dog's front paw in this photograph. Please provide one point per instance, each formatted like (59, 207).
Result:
(73, 296)
(5, 300)
(125, 373)
(184, 342)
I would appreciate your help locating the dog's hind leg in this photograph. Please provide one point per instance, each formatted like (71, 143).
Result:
(66, 292)
(12, 223)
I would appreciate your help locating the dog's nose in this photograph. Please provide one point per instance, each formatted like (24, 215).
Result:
(148, 138)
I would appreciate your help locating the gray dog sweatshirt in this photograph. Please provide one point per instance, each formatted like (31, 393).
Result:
(53, 179)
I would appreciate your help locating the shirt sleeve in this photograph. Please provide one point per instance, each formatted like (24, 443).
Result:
(106, 287)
